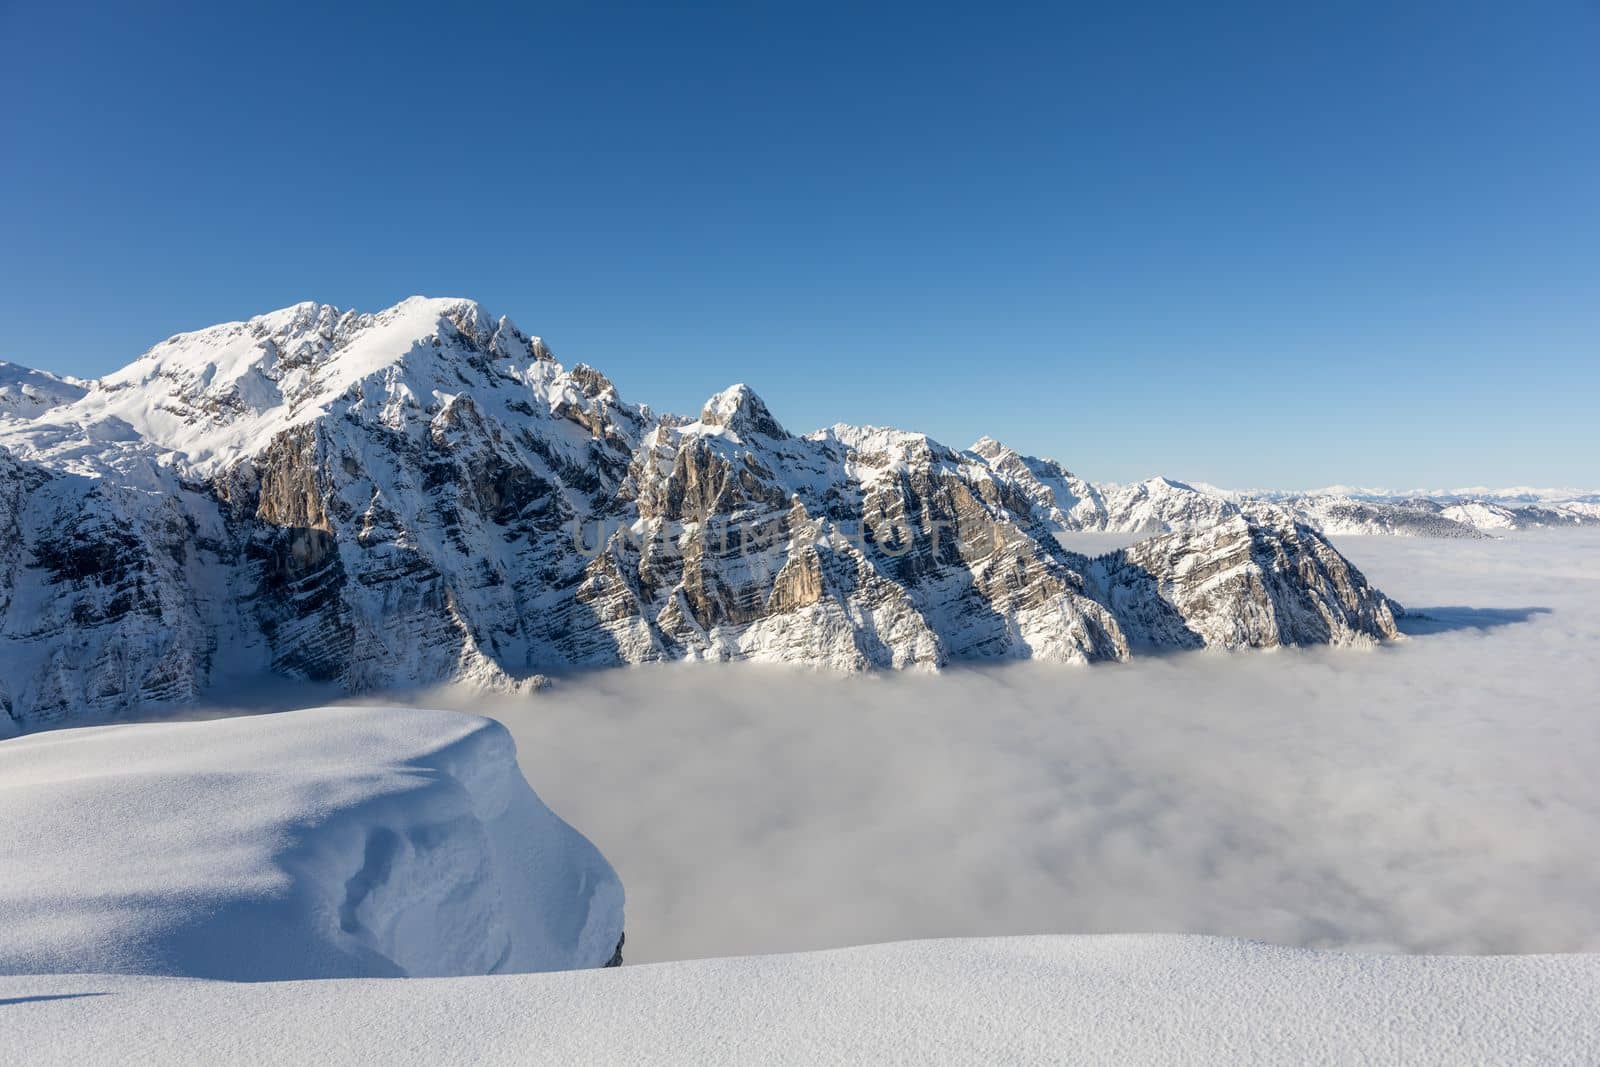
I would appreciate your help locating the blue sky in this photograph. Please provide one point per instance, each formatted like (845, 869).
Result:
(1254, 244)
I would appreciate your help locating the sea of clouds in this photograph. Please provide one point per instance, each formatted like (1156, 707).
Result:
(1438, 795)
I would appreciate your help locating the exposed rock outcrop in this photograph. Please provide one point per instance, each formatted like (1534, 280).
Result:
(1241, 583)
(425, 495)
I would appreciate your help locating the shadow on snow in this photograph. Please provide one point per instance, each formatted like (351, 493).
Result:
(1416, 622)
(8, 1001)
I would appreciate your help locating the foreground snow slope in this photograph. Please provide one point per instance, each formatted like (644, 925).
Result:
(330, 842)
(1113, 999)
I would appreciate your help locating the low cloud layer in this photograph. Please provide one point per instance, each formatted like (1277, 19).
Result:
(1436, 796)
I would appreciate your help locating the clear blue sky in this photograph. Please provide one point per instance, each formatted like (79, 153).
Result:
(1274, 244)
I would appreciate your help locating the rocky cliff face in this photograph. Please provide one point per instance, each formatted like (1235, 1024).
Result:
(424, 494)
(1241, 583)
(113, 596)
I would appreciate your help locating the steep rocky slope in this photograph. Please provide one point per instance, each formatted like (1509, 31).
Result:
(1240, 583)
(424, 494)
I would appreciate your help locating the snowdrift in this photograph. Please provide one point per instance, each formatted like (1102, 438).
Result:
(329, 842)
(1151, 999)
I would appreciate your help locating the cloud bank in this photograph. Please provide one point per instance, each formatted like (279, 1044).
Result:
(1435, 796)
(1438, 795)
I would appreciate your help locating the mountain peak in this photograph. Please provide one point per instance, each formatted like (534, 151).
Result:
(26, 392)
(988, 447)
(215, 394)
(739, 410)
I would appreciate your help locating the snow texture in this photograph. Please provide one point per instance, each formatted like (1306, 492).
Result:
(1112, 1000)
(329, 842)
(26, 393)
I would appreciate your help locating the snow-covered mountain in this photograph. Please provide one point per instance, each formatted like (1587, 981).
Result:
(1508, 495)
(424, 494)
(25, 392)
(1157, 505)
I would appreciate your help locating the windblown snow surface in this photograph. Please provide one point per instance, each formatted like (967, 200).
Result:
(1111, 1000)
(329, 842)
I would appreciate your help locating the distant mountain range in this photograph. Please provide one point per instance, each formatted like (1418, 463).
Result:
(1520, 494)
(424, 494)
(1162, 504)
